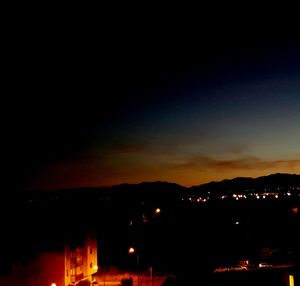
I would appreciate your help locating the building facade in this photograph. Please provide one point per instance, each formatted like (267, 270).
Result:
(80, 260)
(74, 264)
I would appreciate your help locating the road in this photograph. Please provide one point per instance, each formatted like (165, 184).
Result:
(115, 279)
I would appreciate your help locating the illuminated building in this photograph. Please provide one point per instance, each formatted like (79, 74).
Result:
(80, 261)
(70, 265)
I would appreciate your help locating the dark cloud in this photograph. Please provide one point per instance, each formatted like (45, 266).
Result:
(128, 148)
(245, 163)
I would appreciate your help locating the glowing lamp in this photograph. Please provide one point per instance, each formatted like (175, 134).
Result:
(131, 250)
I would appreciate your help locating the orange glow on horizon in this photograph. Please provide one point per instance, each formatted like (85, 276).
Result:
(129, 170)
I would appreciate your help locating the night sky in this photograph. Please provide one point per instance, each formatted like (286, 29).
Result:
(134, 101)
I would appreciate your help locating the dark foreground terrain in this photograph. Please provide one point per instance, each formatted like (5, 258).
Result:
(188, 240)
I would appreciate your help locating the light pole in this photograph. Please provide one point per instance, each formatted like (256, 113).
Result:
(131, 250)
(151, 274)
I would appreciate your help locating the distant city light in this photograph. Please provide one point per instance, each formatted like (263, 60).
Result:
(268, 194)
(157, 211)
(237, 222)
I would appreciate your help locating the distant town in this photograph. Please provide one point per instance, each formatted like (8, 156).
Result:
(276, 193)
(231, 232)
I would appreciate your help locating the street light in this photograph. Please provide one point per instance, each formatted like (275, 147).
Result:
(131, 251)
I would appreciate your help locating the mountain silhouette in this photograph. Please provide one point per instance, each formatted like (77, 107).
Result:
(166, 191)
(278, 181)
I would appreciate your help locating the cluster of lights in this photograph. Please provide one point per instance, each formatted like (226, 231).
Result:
(202, 200)
(237, 197)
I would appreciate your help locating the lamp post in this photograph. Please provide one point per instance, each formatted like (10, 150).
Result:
(131, 250)
(151, 274)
